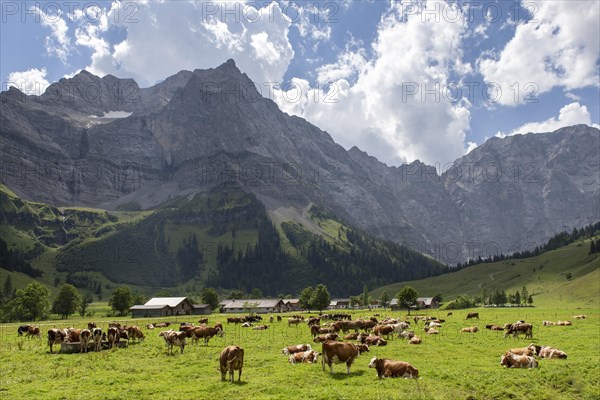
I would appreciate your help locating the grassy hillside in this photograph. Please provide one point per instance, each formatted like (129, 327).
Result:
(545, 277)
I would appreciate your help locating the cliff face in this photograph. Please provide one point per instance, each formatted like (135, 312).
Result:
(104, 142)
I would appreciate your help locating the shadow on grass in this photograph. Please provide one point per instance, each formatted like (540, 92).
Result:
(340, 376)
(236, 383)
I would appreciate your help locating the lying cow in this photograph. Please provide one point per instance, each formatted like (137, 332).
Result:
(547, 351)
(580, 316)
(341, 352)
(548, 323)
(415, 340)
(494, 327)
(470, 329)
(296, 349)
(261, 328)
(564, 323)
(324, 338)
(511, 360)
(375, 341)
(523, 351)
(308, 357)
(393, 369)
(232, 358)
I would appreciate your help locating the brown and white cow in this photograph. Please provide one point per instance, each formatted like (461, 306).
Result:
(518, 328)
(341, 352)
(431, 331)
(91, 326)
(22, 329)
(384, 330)
(84, 338)
(299, 348)
(415, 340)
(260, 328)
(523, 351)
(135, 333)
(203, 321)
(393, 369)
(473, 315)
(294, 321)
(564, 323)
(580, 316)
(494, 327)
(97, 338)
(511, 360)
(173, 338)
(373, 340)
(232, 358)
(72, 335)
(56, 336)
(206, 333)
(548, 323)
(326, 337)
(309, 357)
(32, 331)
(470, 329)
(351, 336)
(547, 351)
(113, 336)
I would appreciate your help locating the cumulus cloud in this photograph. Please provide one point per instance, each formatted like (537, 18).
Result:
(557, 47)
(570, 114)
(30, 82)
(58, 42)
(387, 111)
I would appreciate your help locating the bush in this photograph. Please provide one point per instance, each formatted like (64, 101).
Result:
(461, 302)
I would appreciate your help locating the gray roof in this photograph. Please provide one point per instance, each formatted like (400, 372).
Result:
(165, 301)
(200, 305)
(261, 303)
(426, 300)
(146, 307)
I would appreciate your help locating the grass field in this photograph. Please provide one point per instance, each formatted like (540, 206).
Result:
(452, 365)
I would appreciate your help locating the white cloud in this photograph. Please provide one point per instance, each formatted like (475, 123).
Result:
(558, 47)
(570, 114)
(264, 49)
(377, 113)
(58, 43)
(30, 82)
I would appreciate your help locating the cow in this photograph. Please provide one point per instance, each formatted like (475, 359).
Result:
(546, 351)
(33, 331)
(114, 325)
(299, 348)
(511, 360)
(232, 358)
(548, 323)
(162, 325)
(97, 338)
(173, 338)
(473, 315)
(203, 321)
(564, 323)
(393, 369)
(384, 330)
(314, 321)
(84, 338)
(494, 327)
(580, 316)
(271, 319)
(341, 352)
(113, 336)
(415, 340)
(91, 326)
(260, 327)
(449, 314)
(279, 318)
(431, 331)
(406, 334)
(56, 336)
(206, 333)
(22, 329)
(314, 330)
(523, 351)
(135, 333)
(294, 321)
(520, 327)
(326, 337)
(351, 336)
(72, 335)
(470, 329)
(309, 357)
(246, 324)
(188, 329)
(150, 326)
(375, 341)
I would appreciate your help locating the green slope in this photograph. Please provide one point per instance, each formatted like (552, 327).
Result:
(545, 277)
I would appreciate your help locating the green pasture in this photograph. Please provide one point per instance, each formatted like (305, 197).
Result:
(452, 365)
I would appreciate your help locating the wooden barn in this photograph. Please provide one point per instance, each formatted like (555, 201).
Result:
(166, 306)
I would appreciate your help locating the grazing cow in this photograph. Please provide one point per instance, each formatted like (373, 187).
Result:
(113, 336)
(547, 351)
(341, 352)
(473, 315)
(22, 329)
(56, 336)
(511, 360)
(564, 323)
(97, 337)
(91, 326)
(314, 330)
(470, 329)
(449, 314)
(375, 341)
(279, 318)
(309, 357)
(520, 327)
(84, 338)
(203, 321)
(206, 333)
(173, 338)
(580, 316)
(294, 321)
(260, 327)
(299, 348)
(324, 338)
(494, 327)
(232, 358)
(415, 340)
(135, 333)
(114, 325)
(33, 331)
(384, 330)
(271, 319)
(393, 369)
(314, 321)
(73, 335)
(548, 323)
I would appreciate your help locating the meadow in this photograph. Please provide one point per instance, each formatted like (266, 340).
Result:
(452, 365)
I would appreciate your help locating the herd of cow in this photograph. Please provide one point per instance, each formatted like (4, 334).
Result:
(366, 333)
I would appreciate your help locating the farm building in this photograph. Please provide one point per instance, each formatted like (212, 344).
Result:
(422, 303)
(339, 303)
(163, 306)
(259, 306)
(292, 304)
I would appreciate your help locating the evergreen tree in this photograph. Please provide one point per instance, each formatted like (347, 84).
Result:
(517, 298)
(524, 295)
(85, 302)
(365, 297)
(7, 289)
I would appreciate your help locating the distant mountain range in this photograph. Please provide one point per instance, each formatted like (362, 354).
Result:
(106, 143)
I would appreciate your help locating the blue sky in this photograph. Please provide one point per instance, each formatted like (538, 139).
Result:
(402, 80)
